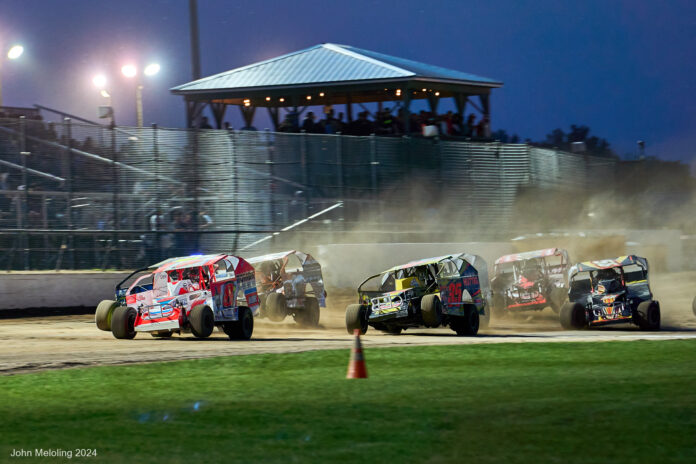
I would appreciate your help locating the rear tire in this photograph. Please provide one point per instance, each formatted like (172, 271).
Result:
(123, 323)
(467, 325)
(431, 311)
(104, 313)
(202, 321)
(356, 318)
(573, 316)
(243, 328)
(309, 315)
(649, 315)
(693, 306)
(275, 307)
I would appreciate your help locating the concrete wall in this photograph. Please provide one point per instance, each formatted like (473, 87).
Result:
(64, 289)
(347, 265)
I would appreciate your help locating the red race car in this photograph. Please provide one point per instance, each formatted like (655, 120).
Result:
(191, 294)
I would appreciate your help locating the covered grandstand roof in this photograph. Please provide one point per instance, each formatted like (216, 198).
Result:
(329, 64)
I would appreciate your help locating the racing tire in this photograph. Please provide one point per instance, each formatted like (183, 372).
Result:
(356, 318)
(309, 315)
(572, 316)
(202, 321)
(467, 325)
(243, 328)
(123, 323)
(104, 313)
(649, 315)
(431, 311)
(693, 306)
(162, 334)
(275, 307)
(558, 297)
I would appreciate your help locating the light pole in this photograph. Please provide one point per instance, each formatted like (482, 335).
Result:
(13, 53)
(130, 71)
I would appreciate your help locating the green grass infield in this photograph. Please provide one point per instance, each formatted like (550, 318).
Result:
(513, 403)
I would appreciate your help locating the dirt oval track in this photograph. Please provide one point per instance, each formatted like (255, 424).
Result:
(34, 344)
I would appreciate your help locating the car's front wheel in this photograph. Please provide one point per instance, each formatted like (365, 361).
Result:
(123, 323)
(573, 316)
(104, 313)
(649, 315)
(202, 321)
(356, 318)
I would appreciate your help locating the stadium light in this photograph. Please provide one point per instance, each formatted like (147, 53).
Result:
(152, 69)
(99, 81)
(15, 52)
(129, 70)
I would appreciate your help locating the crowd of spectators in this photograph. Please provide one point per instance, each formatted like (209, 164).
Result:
(386, 123)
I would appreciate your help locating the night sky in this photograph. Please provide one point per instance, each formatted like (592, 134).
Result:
(625, 68)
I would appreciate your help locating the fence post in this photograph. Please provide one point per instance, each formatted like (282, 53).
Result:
(158, 203)
(24, 202)
(271, 183)
(339, 173)
(303, 164)
(196, 183)
(116, 194)
(373, 164)
(69, 186)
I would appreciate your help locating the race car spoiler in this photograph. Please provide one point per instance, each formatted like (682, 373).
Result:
(533, 254)
(621, 261)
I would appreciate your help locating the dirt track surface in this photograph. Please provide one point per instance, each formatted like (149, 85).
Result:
(35, 344)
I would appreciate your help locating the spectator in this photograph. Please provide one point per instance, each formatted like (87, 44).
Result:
(470, 126)
(205, 124)
(308, 124)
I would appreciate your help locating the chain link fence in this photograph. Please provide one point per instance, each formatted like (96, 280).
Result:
(84, 196)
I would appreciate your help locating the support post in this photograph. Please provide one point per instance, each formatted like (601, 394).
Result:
(305, 174)
(339, 173)
(407, 111)
(349, 107)
(116, 199)
(69, 185)
(24, 204)
(158, 200)
(373, 164)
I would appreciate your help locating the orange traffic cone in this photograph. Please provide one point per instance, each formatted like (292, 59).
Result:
(356, 366)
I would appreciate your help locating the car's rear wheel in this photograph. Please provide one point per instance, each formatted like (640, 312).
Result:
(309, 315)
(104, 313)
(243, 328)
(431, 311)
(123, 323)
(693, 306)
(356, 318)
(572, 316)
(467, 325)
(202, 321)
(649, 315)
(275, 307)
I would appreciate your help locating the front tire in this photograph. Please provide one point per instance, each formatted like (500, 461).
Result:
(123, 323)
(243, 328)
(431, 311)
(693, 306)
(649, 315)
(356, 318)
(309, 315)
(104, 313)
(202, 321)
(573, 316)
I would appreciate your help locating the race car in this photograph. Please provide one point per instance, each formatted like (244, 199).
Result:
(530, 281)
(190, 294)
(448, 290)
(610, 291)
(290, 283)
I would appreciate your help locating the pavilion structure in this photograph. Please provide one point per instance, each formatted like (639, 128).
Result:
(330, 74)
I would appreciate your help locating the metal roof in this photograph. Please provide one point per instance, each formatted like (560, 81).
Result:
(329, 63)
